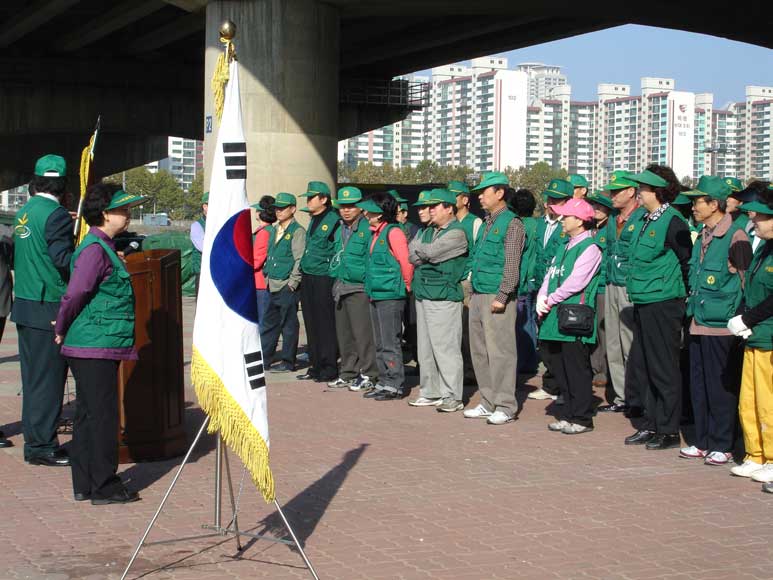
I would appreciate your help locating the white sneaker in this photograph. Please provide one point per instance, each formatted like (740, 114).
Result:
(541, 395)
(746, 469)
(339, 383)
(718, 458)
(499, 418)
(764, 475)
(558, 425)
(479, 412)
(576, 429)
(692, 452)
(361, 383)
(425, 402)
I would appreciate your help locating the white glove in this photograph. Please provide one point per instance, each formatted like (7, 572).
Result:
(542, 305)
(738, 328)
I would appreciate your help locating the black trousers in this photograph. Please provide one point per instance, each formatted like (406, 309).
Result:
(355, 337)
(43, 374)
(715, 369)
(653, 380)
(572, 372)
(281, 318)
(319, 319)
(549, 381)
(94, 447)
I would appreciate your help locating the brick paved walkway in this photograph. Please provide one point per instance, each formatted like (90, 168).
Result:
(379, 490)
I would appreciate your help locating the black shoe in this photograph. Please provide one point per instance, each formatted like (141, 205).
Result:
(123, 496)
(307, 376)
(58, 458)
(664, 441)
(640, 437)
(324, 379)
(372, 394)
(634, 412)
(614, 408)
(282, 367)
(3, 441)
(387, 396)
(81, 496)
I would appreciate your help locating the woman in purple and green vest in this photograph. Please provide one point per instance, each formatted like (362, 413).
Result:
(95, 326)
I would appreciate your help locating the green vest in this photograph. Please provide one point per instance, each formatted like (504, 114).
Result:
(488, 255)
(527, 283)
(655, 274)
(36, 277)
(618, 249)
(195, 254)
(759, 285)
(600, 239)
(562, 267)
(441, 281)
(544, 254)
(107, 320)
(280, 259)
(715, 292)
(319, 247)
(351, 260)
(383, 277)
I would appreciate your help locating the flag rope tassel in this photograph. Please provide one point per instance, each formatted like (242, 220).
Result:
(220, 77)
(227, 417)
(86, 157)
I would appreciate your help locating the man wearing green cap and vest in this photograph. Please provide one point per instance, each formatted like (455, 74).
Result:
(657, 283)
(471, 224)
(197, 239)
(440, 260)
(549, 237)
(317, 285)
(409, 229)
(719, 262)
(358, 370)
(43, 246)
(618, 310)
(283, 272)
(495, 263)
(755, 325)
(580, 185)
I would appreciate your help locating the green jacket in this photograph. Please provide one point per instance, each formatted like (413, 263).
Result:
(468, 225)
(618, 250)
(107, 320)
(527, 282)
(759, 285)
(351, 259)
(655, 274)
(559, 272)
(280, 259)
(544, 254)
(320, 246)
(600, 239)
(441, 281)
(383, 277)
(36, 277)
(715, 292)
(488, 256)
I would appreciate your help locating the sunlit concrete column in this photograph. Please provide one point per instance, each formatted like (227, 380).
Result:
(288, 56)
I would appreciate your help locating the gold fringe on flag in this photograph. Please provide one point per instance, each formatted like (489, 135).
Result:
(227, 417)
(85, 169)
(220, 76)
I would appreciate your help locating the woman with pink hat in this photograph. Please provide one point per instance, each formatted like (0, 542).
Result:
(568, 329)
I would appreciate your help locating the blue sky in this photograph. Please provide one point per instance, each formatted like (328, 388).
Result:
(624, 54)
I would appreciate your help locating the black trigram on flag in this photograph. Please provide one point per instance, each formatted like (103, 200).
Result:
(254, 363)
(235, 155)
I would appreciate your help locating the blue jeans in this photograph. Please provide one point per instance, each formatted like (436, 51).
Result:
(526, 333)
(263, 297)
(281, 318)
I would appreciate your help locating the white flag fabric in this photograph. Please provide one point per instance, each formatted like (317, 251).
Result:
(227, 363)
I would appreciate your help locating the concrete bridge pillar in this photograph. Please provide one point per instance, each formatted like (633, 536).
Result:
(288, 55)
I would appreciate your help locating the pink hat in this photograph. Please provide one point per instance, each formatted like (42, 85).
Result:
(579, 208)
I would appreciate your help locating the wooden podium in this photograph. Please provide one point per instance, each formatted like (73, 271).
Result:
(151, 390)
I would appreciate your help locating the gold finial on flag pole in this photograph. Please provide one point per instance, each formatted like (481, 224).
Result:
(220, 76)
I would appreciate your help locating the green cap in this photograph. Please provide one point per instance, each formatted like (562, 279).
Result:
(648, 178)
(423, 198)
(577, 180)
(397, 196)
(123, 199)
(599, 197)
(681, 199)
(558, 189)
(441, 195)
(404, 206)
(370, 205)
(284, 199)
(205, 197)
(735, 184)
(710, 186)
(317, 188)
(348, 195)
(758, 207)
(458, 188)
(489, 178)
(620, 180)
(51, 166)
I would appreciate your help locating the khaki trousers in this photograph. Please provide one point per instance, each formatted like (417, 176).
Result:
(618, 320)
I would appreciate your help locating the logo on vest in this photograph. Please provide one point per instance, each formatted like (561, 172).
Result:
(21, 229)
(769, 269)
(631, 228)
(602, 239)
(288, 236)
(324, 227)
(652, 233)
(381, 242)
(362, 235)
(711, 280)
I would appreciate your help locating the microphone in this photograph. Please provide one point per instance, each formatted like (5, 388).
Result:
(131, 248)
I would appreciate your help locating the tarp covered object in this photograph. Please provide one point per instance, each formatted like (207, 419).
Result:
(176, 241)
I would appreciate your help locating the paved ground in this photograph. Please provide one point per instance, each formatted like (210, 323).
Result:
(379, 490)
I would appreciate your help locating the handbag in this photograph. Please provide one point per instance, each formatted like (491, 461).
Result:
(576, 319)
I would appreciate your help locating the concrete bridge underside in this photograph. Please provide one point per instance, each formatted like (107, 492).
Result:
(145, 65)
